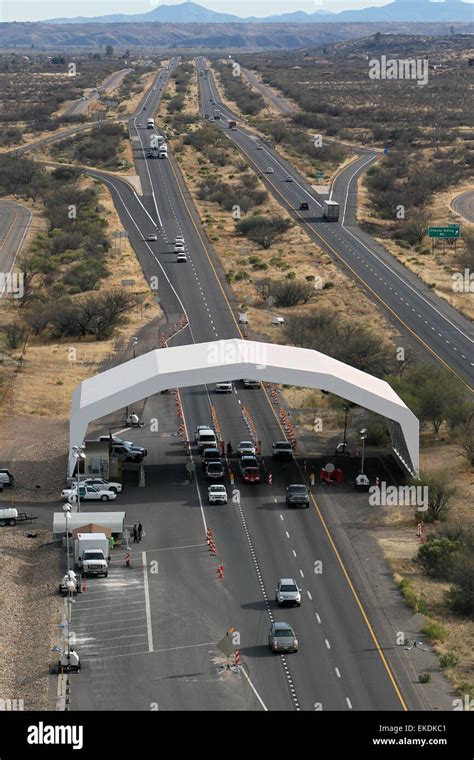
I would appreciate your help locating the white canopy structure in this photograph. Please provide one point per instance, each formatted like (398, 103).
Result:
(203, 363)
(114, 521)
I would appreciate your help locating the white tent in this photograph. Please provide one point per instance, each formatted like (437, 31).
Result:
(114, 521)
(202, 363)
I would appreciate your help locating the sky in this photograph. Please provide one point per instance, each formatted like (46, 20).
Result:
(35, 10)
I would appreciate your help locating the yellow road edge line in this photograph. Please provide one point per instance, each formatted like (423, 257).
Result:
(318, 512)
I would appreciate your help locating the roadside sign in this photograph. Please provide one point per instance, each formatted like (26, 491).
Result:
(319, 175)
(226, 646)
(385, 151)
(448, 231)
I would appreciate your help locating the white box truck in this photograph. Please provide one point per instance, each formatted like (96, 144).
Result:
(163, 151)
(331, 211)
(91, 553)
(150, 123)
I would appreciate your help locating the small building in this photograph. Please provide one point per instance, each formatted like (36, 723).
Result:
(110, 523)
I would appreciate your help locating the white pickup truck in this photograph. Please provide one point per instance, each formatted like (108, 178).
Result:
(91, 553)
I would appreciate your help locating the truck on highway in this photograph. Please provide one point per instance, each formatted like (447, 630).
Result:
(217, 113)
(163, 151)
(150, 123)
(91, 553)
(232, 124)
(331, 211)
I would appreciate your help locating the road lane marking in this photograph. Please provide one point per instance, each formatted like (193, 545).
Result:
(147, 603)
(253, 688)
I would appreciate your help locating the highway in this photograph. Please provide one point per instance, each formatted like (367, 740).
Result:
(15, 221)
(150, 639)
(84, 105)
(413, 307)
(464, 205)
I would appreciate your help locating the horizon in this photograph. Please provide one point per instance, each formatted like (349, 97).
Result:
(32, 11)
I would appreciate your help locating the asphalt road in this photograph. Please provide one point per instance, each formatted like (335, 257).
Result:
(15, 220)
(82, 106)
(444, 333)
(347, 658)
(464, 205)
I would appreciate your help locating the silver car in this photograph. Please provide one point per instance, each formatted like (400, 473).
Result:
(282, 638)
(287, 592)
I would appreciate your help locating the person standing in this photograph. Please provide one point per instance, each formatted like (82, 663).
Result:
(140, 531)
(135, 534)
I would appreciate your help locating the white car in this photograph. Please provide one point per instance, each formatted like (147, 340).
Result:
(179, 247)
(179, 239)
(259, 147)
(246, 449)
(224, 387)
(181, 258)
(288, 178)
(110, 485)
(90, 493)
(152, 238)
(217, 493)
(269, 170)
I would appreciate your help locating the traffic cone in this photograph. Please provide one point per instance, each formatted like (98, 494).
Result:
(270, 478)
(220, 571)
(84, 584)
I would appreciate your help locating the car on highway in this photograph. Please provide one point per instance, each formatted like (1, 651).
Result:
(288, 178)
(287, 592)
(304, 206)
(259, 147)
(215, 471)
(149, 153)
(224, 387)
(211, 453)
(90, 493)
(282, 638)
(126, 453)
(269, 170)
(246, 449)
(205, 438)
(297, 495)
(179, 239)
(206, 115)
(101, 483)
(181, 258)
(249, 469)
(151, 238)
(282, 450)
(251, 383)
(217, 493)
(179, 247)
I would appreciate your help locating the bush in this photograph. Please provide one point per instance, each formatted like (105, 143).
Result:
(290, 293)
(435, 556)
(263, 230)
(15, 333)
(461, 597)
(448, 660)
(434, 631)
(424, 678)
(441, 490)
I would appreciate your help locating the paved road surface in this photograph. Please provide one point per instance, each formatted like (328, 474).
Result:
(464, 205)
(344, 662)
(84, 105)
(15, 220)
(444, 333)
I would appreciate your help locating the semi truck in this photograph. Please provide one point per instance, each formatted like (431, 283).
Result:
(91, 553)
(217, 113)
(331, 211)
(150, 123)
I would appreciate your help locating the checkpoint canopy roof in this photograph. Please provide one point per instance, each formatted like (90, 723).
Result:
(203, 363)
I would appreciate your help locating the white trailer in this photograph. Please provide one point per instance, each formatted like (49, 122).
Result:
(331, 211)
(150, 123)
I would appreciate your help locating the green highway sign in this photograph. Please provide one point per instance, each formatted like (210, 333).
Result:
(448, 231)
(319, 175)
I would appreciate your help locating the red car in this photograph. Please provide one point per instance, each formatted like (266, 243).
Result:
(250, 470)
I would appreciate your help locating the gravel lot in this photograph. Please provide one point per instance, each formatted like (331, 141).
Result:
(30, 569)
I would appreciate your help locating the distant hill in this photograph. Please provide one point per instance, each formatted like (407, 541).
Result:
(189, 12)
(229, 37)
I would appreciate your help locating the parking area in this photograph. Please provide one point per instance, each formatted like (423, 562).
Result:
(112, 617)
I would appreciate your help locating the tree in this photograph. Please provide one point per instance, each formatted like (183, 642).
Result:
(441, 490)
(431, 392)
(109, 51)
(263, 230)
(15, 333)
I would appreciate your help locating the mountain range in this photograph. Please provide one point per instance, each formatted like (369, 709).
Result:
(190, 12)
